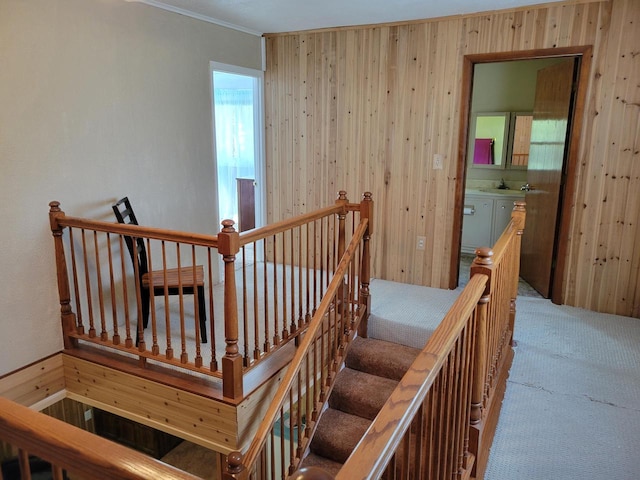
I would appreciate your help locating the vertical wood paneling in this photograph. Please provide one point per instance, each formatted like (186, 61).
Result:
(367, 108)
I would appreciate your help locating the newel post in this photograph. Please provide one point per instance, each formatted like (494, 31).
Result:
(342, 201)
(482, 264)
(68, 318)
(366, 211)
(341, 293)
(228, 246)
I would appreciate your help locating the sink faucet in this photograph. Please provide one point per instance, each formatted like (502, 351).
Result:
(525, 187)
(502, 186)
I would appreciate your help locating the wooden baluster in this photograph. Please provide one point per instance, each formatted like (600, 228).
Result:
(87, 283)
(125, 294)
(292, 269)
(68, 318)
(76, 290)
(256, 319)
(196, 310)
(228, 246)
(285, 331)
(213, 364)
(155, 349)
(167, 310)
(300, 270)
(470, 333)
(112, 289)
(366, 211)
(25, 467)
(103, 326)
(307, 317)
(245, 308)
(57, 473)
(276, 321)
(265, 298)
(340, 293)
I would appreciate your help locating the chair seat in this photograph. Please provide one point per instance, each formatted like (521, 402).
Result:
(173, 276)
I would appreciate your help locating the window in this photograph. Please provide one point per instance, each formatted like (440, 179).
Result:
(238, 140)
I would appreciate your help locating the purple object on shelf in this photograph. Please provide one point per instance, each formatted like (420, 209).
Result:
(483, 151)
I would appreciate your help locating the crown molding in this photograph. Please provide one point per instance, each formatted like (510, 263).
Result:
(198, 16)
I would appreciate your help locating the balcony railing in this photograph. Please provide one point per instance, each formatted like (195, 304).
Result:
(273, 279)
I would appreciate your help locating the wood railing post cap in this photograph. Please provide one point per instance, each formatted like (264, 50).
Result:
(227, 225)
(234, 462)
(54, 205)
(483, 256)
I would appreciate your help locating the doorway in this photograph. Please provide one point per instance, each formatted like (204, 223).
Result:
(237, 105)
(582, 56)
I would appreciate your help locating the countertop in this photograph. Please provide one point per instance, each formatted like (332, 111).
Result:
(492, 192)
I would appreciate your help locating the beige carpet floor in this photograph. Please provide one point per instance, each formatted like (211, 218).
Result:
(572, 406)
(194, 459)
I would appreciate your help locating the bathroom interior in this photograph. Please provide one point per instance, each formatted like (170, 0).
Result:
(498, 148)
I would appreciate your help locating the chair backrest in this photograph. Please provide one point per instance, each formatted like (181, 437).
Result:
(124, 213)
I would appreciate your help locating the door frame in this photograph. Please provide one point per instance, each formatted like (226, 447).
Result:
(567, 192)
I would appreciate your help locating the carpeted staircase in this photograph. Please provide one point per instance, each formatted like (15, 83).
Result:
(372, 370)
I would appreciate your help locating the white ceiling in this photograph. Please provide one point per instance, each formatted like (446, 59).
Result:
(273, 16)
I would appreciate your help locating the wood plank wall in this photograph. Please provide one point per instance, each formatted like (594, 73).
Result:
(368, 108)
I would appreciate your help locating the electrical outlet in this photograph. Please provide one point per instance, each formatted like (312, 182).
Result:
(438, 161)
(420, 243)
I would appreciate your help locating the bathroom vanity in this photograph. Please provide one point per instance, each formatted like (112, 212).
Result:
(486, 214)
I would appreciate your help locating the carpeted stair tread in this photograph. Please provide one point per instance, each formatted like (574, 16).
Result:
(377, 357)
(329, 466)
(360, 393)
(337, 434)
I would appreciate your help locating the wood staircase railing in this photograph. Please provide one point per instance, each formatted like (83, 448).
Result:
(290, 421)
(274, 279)
(71, 449)
(440, 421)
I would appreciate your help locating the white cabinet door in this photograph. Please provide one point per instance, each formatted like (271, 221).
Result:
(477, 223)
(502, 209)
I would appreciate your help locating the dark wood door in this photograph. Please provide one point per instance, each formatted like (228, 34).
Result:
(549, 133)
(246, 204)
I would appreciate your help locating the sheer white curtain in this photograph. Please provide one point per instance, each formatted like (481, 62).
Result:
(234, 129)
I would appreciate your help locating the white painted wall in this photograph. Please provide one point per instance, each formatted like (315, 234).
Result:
(98, 99)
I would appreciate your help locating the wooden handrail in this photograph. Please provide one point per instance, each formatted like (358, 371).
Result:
(256, 234)
(76, 450)
(296, 363)
(138, 231)
(381, 440)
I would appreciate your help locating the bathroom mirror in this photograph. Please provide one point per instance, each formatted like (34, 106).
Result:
(488, 139)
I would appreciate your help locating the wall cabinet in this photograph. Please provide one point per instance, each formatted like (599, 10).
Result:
(485, 218)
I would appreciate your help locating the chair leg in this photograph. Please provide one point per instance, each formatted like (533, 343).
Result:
(145, 299)
(202, 315)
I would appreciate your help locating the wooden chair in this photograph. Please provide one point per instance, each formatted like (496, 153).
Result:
(124, 213)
